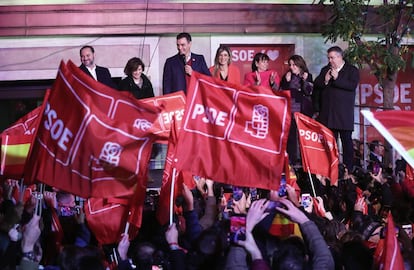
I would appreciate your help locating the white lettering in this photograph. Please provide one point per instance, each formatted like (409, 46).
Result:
(402, 93)
(366, 91)
(311, 136)
(242, 55)
(211, 115)
(378, 92)
(405, 93)
(66, 136)
(168, 116)
(198, 110)
(58, 131)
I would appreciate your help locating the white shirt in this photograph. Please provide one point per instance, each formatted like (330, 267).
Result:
(93, 72)
(339, 68)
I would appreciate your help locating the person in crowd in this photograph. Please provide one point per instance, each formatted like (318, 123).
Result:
(177, 254)
(65, 224)
(320, 256)
(100, 74)
(81, 258)
(334, 99)
(222, 68)
(260, 74)
(358, 160)
(178, 68)
(136, 82)
(299, 82)
(376, 154)
(31, 255)
(10, 231)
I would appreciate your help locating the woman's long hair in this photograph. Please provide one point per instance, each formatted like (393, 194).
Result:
(300, 63)
(259, 56)
(220, 49)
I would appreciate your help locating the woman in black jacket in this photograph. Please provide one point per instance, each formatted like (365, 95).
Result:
(136, 82)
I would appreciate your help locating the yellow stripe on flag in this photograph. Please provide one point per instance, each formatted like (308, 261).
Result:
(14, 154)
(411, 152)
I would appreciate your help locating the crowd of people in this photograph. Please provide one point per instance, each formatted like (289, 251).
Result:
(218, 226)
(308, 223)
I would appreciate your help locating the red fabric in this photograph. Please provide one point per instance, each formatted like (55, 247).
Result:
(397, 127)
(54, 238)
(318, 148)
(92, 141)
(318, 209)
(391, 257)
(233, 75)
(250, 78)
(19, 134)
(172, 107)
(378, 254)
(408, 183)
(106, 219)
(234, 135)
(163, 209)
(136, 206)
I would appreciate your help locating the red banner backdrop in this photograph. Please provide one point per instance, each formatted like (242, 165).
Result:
(370, 93)
(243, 54)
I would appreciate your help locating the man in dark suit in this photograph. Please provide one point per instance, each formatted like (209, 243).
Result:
(178, 68)
(101, 74)
(334, 99)
(376, 154)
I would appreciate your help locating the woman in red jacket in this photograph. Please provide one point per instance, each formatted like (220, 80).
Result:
(260, 74)
(222, 68)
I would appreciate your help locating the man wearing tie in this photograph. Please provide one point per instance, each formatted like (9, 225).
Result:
(178, 68)
(100, 74)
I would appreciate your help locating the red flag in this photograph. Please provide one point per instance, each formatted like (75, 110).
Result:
(234, 134)
(397, 127)
(15, 144)
(391, 256)
(92, 140)
(136, 205)
(172, 107)
(318, 148)
(163, 209)
(107, 218)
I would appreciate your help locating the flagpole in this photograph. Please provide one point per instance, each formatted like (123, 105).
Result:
(115, 256)
(174, 174)
(22, 189)
(311, 181)
(127, 225)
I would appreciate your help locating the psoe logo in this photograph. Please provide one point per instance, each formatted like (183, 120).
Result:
(258, 127)
(110, 154)
(142, 124)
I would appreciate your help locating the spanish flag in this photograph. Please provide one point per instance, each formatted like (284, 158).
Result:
(15, 144)
(281, 226)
